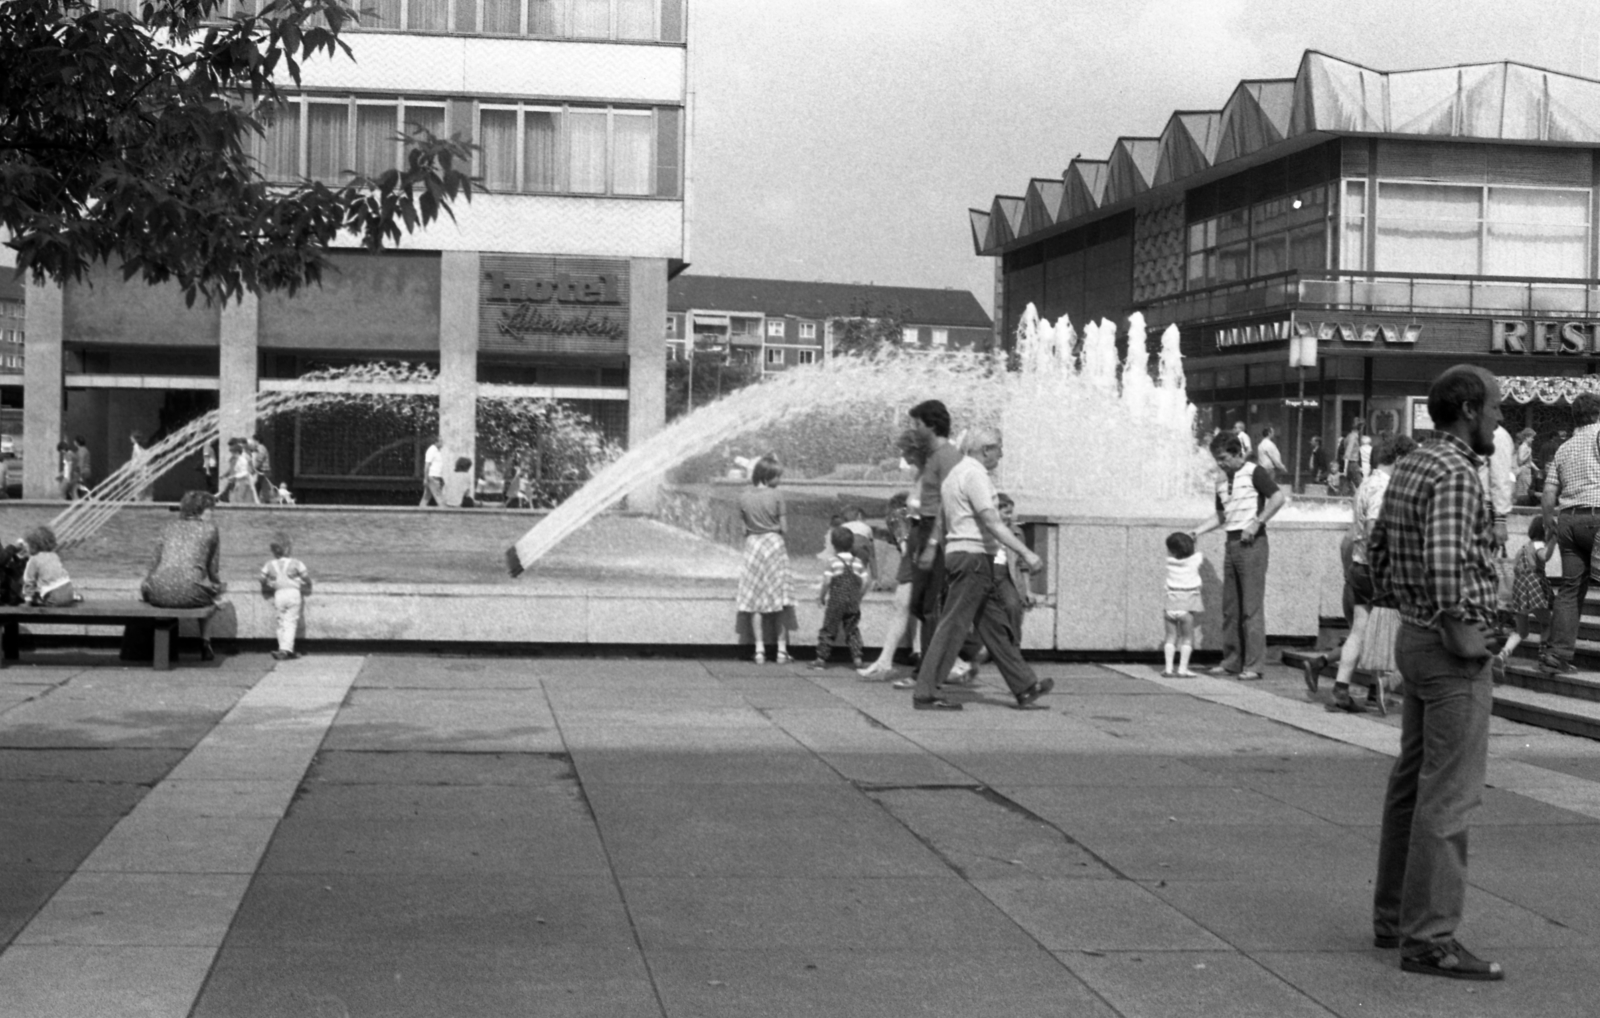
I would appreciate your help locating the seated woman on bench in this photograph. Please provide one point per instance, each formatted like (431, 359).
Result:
(45, 580)
(185, 573)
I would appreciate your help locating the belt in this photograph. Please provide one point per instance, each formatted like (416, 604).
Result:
(1238, 535)
(1579, 509)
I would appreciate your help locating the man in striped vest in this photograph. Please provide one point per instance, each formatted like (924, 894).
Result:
(1247, 497)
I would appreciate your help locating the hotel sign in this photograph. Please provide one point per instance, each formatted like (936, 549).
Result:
(1516, 335)
(553, 305)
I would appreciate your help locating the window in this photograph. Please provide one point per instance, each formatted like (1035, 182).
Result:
(941, 337)
(503, 17)
(672, 325)
(542, 168)
(807, 356)
(497, 133)
(1472, 229)
(427, 15)
(630, 20)
(1278, 235)
(327, 141)
(808, 330)
(581, 150)
(631, 133)
(774, 356)
(775, 328)
(280, 147)
(376, 147)
(1352, 241)
(586, 166)
(908, 335)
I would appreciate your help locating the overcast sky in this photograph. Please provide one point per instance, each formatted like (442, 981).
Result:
(844, 140)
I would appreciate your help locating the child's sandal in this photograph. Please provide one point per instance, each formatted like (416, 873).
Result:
(783, 658)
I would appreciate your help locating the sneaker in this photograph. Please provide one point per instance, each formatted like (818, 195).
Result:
(933, 704)
(1028, 697)
(1313, 668)
(1497, 669)
(1249, 676)
(908, 682)
(1552, 665)
(1342, 701)
(280, 655)
(1451, 960)
(818, 665)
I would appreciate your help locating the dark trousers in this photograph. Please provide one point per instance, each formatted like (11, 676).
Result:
(841, 621)
(1575, 533)
(973, 599)
(926, 584)
(1244, 593)
(1421, 889)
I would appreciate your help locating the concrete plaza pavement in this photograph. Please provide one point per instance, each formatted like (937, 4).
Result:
(411, 835)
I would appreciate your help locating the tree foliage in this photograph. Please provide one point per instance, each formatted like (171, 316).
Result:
(127, 139)
(713, 374)
(869, 328)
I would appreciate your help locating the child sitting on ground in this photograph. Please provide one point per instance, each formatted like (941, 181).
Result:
(286, 581)
(1531, 591)
(45, 580)
(840, 596)
(1183, 603)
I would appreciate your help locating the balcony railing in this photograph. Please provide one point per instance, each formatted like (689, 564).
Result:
(1387, 293)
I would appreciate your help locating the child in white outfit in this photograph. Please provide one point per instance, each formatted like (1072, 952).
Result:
(1182, 604)
(286, 581)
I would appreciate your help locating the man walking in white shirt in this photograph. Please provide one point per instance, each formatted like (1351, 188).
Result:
(1267, 456)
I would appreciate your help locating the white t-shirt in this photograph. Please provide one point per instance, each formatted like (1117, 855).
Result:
(967, 491)
(1184, 573)
(433, 461)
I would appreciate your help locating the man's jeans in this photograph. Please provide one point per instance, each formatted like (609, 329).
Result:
(1575, 533)
(1437, 780)
(1244, 620)
(973, 598)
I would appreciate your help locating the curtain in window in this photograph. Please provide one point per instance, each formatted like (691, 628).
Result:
(326, 154)
(591, 19)
(280, 155)
(541, 159)
(630, 161)
(587, 164)
(1308, 248)
(1231, 263)
(375, 144)
(385, 14)
(544, 17)
(1272, 255)
(429, 117)
(427, 15)
(502, 17)
(1353, 242)
(1429, 228)
(1536, 232)
(497, 133)
(636, 19)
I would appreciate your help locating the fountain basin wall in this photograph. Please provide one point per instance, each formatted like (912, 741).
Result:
(434, 578)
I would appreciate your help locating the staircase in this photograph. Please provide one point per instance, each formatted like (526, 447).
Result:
(1561, 703)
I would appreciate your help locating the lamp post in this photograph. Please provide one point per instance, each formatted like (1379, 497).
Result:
(1302, 355)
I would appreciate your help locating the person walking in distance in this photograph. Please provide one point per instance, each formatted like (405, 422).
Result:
(433, 474)
(1246, 499)
(1571, 509)
(1267, 456)
(972, 532)
(1350, 457)
(931, 421)
(1432, 551)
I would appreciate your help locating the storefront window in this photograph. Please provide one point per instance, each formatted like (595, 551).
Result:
(1470, 230)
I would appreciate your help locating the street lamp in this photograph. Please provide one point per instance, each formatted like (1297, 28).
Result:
(1302, 355)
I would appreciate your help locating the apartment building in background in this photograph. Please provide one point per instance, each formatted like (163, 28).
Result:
(551, 282)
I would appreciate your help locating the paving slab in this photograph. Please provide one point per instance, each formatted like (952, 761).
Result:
(398, 719)
(531, 910)
(131, 909)
(762, 914)
(792, 764)
(436, 768)
(50, 843)
(22, 893)
(435, 846)
(1195, 984)
(180, 801)
(982, 838)
(154, 843)
(1104, 914)
(427, 981)
(559, 803)
(804, 983)
(794, 830)
(410, 672)
(129, 981)
(1068, 805)
(1227, 851)
(1068, 765)
(20, 800)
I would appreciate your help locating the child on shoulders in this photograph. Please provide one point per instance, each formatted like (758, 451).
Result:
(840, 592)
(1182, 604)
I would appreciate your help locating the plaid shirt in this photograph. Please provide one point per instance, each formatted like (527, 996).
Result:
(1575, 470)
(1432, 546)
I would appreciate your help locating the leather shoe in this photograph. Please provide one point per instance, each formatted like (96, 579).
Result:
(1029, 696)
(1313, 667)
(933, 704)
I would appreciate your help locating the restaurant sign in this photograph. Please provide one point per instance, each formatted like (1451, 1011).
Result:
(535, 304)
(1516, 335)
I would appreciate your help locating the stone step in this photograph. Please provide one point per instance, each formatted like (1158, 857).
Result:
(1556, 711)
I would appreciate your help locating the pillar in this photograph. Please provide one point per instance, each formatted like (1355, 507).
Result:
(459, 273)
(647, 359)
(237, 369)
(42, 388)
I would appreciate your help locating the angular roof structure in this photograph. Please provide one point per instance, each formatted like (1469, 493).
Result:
(820, 301)
(1041, 204)
(1501, 101)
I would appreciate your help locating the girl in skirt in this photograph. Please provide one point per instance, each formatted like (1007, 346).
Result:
(1531, 591)
(766, 588)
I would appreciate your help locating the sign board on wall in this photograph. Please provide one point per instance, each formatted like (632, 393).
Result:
(548, 305)
(1514, 335)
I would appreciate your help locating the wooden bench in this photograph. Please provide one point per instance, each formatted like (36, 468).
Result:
(101, 613)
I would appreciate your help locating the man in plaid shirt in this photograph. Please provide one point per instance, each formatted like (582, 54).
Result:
(1431, 550)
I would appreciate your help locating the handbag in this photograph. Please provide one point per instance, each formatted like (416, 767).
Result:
(1377, 642)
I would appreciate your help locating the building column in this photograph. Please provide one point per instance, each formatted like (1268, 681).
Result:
(459, 273)
(647, 359)
(238, 367)
(43, 389)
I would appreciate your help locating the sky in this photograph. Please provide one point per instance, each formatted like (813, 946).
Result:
(844, 140)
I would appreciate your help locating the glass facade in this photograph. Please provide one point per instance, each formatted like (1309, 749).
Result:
(1276, 235)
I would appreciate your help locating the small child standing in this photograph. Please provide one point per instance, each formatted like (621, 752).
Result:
(1183, 602)
(45, 580)
(1531, 590)
(286, 581)
(840, 596)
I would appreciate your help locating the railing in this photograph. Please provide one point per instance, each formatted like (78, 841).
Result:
(1383, 292)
